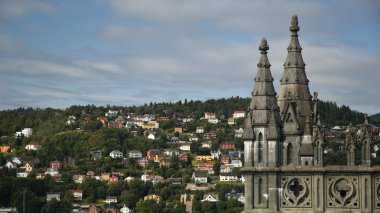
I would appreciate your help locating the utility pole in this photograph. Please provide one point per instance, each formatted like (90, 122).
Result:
(23, 200)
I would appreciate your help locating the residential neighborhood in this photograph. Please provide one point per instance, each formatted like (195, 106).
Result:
(155, 155)
(117, 160)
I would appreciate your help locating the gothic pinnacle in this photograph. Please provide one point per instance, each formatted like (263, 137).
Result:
(263, 46)
(294, 28)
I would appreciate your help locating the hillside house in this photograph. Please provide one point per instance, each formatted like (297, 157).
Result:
(238, 114)
(53, 195)
(116, 154)
(199, 130)
(77, 194)
(33, 146)
(56, 164)
(135, 154)
(210, 198)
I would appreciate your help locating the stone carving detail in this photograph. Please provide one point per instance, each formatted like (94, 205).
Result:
(342, 192)
(296, 191)
(377, 192)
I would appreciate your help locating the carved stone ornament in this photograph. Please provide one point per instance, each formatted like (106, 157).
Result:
(342, 192)
(296, 191)
(377, 192)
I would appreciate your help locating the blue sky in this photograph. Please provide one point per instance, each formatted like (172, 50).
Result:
(120, 52)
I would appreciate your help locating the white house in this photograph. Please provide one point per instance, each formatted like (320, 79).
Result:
(210, 198)
(239, 114)
(236, 163)
(135, 154)
(239, 133)
(52, 171)
(151, 136)
(209, 115)
(22, 173)
(77, 194)
(111, 199)
(228, 177)
(226, 168)
(193, 138)
(16, 160)
(206, 144)
(199, 130)
(53, 195)
(125, 210)
(10, 165)
(71, 120)
(145, 177)
(200, 177)
(171, 152)
(116, 154)
(26, 132)
(111, 113)
(215, 154)
(213, 121)
(33, 146)
(185, 147)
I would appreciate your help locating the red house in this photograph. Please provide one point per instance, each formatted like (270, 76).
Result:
(56, 165)
(77, 194)
(184, 158)
(225, 159)
(151, 153)
(227, 146)
(90, 174)
(210, 135)
(113, 179)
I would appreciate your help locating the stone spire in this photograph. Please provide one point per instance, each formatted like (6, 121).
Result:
(274, 127)
(263, 94)
(294, 83)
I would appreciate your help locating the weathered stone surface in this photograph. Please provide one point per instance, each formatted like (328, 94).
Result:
(284, 144)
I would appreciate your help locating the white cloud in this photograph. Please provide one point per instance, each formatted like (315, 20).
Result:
(169, 50)
(12, 9)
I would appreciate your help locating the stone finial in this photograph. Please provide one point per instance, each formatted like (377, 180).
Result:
(263, 62)
(294, 28)
(366, 119)
(263, 46)
(307, 126)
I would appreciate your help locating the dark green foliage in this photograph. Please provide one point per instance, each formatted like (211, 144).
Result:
(55, 206)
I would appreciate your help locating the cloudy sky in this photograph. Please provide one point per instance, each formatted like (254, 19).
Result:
(121, 52)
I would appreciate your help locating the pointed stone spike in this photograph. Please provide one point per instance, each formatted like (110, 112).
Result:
(294, 28)
(294, 79)
(263, 94)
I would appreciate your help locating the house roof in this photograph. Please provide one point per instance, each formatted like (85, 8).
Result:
(214, 196)
(200, 175)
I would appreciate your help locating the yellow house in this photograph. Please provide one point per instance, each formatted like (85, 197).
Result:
(203, 157)
(151, 125)
(105, 176)
(28, 166)
(178, 129)
(164, 162)
(155, 197)
(5, 148)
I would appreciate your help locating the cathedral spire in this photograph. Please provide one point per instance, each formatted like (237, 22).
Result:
(263, 94)
(294, 83)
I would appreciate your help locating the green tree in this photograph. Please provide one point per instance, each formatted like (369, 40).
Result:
(55, 206)
(148, 206)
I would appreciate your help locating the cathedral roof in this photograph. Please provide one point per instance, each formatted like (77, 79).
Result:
(294, 83)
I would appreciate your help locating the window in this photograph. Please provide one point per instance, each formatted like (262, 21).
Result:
(289, 154)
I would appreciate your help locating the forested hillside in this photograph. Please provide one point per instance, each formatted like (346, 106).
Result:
(50, 121)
